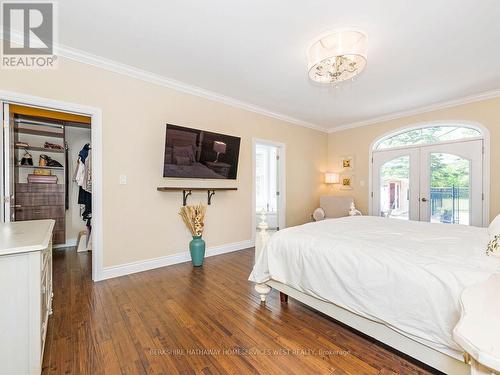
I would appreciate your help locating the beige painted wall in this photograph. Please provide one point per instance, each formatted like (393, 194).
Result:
(139, 222)
(357, 141)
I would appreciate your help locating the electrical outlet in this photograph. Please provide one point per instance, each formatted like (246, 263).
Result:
(123, 179)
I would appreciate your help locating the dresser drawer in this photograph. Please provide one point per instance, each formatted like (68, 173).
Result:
(39, 199)
(59, 237)
(38, 213)
(39, 188)
(60, 223)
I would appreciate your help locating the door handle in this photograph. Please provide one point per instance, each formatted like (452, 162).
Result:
(424, 199)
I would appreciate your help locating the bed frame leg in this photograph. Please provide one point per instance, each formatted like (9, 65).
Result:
(283, 297)
(263, 291)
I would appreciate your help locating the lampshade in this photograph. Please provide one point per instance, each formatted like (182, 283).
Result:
(219, 147)
(332, 178)
(337, 56)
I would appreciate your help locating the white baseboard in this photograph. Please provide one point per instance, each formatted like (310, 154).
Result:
(149, 264)
(69, 243)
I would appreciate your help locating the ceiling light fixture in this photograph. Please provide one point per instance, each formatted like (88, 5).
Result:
(336, 57)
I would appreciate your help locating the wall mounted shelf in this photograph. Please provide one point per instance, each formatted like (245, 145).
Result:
(187, 191)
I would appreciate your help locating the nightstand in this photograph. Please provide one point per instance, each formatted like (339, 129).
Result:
(219, 167)
(478, 331)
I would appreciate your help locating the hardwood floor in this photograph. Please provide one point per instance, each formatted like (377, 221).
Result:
(185, 320)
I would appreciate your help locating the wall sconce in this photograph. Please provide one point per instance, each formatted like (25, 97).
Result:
(332, 178)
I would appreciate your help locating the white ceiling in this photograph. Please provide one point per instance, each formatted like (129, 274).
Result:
(419, 52)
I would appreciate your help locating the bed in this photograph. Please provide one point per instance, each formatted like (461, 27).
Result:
(397, 281)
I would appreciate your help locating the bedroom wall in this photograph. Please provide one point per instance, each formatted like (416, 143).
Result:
(357, 141)
(140, 223)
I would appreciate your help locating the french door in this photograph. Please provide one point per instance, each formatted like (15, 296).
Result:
(440, 183)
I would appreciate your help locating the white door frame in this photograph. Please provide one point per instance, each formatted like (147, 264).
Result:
(282, 182)
(6, 194)
(471, 124)
(96, 138)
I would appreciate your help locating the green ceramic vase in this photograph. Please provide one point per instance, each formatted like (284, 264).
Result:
(197, 250)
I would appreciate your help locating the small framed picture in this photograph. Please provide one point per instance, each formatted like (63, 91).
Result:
(347, 163)
(346, 182)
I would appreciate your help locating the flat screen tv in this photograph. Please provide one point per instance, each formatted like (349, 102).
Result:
(193, 153)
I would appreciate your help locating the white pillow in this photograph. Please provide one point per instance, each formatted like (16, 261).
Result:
(318, 214)
(494, 227)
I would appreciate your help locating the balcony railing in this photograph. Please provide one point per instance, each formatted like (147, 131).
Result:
(447, 202)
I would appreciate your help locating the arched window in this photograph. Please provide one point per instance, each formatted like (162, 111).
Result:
(428, 135)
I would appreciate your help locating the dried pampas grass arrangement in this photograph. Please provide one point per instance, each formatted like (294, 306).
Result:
(194, 218)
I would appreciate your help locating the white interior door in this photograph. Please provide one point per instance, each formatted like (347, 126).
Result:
(276, 160)
(451, 183)
(395, 184)
(8, 211)
(269, 183)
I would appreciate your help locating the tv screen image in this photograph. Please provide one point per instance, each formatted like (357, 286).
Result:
(193, 153)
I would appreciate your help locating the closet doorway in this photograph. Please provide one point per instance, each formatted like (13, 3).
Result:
(269, 183)
(42, 151)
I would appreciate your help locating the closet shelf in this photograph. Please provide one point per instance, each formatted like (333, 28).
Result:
(39, 132)
(39, 167)
(186, 191)
(42, 149)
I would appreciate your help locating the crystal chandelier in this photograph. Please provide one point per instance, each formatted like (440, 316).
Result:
(336, 57)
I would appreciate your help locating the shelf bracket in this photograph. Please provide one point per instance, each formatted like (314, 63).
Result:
(210, 194)
(185, 195)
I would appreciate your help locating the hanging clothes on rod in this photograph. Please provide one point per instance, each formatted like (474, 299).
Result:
(66, 172)
(83, 177)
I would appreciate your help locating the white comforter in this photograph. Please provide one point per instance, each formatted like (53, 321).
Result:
(407, 275)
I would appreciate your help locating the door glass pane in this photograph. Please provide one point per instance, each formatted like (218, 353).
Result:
(450, 189)
(265, 178)
(395, 189)
(428, 135)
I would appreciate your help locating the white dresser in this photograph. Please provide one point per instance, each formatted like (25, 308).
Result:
(25, 294)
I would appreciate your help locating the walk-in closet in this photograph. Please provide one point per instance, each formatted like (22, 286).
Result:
(47, 164)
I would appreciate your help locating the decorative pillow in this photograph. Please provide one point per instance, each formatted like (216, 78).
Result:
(494, 227)
(494, 246)
(185, 151)
(318, 214)
(182, 160)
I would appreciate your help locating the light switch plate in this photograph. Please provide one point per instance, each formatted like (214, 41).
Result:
(123, 179)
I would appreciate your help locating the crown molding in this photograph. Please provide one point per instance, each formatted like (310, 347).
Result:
(412, 112)
(116, 67)
(143, 75)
